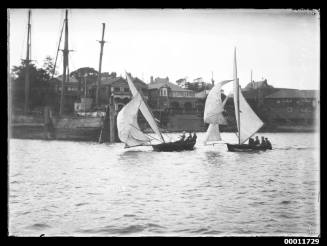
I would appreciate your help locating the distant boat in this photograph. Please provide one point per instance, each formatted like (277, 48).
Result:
(248, 123)
(130, 133)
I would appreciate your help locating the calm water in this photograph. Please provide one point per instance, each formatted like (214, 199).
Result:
(87, 189)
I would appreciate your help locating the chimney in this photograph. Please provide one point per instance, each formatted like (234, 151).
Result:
(151, 79)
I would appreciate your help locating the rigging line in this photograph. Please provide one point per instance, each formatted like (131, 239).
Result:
(54, 67)
(143, 132)
(142, 96)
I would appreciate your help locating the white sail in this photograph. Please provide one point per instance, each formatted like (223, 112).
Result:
(213, 112)
(250, 122)
(212, 134)
(214, 106)
(128, 129)
(144, 109)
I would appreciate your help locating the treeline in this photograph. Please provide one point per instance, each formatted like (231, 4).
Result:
(42, 91)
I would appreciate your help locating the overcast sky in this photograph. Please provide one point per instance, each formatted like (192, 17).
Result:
(280, 45)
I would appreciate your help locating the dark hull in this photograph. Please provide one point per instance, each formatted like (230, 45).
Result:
(245, 148)
(28, 132)
(70, 134)
(174, 146)
(64, 128)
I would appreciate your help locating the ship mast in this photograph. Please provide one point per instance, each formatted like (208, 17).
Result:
(65, 65)
(100, 65)
(27, 63)
(237, 86)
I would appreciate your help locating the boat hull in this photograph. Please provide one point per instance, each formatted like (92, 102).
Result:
(174, 146)
(64, 128)
(245, 148)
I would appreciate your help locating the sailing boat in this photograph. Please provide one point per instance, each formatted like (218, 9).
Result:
(73, 127)
(130, 133)
(248, 123)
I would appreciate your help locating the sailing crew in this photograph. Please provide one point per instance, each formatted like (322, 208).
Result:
(182, 137)
(194, 137)
(268, 143)
(251, 141)
(189, 138)
(256, 141)
(263, 142)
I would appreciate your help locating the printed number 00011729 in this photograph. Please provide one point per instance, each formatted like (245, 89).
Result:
(301, 241)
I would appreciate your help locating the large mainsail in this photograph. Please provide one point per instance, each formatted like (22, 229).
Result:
(128, 129)
(213, 112)
(144, 108)
(248, 123)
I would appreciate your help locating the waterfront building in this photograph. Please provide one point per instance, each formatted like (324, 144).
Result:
(167, 96)
(118, 88)
(279, 106)
(174, 106)
(292, 106)
(72, 92)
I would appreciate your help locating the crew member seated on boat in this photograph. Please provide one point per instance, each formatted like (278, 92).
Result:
(194, 137)
(189, 138)
(182, 137)
(256, 141)
(263, 142)
(268, 143)
(251, 141)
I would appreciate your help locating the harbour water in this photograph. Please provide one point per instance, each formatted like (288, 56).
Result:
(62, 188)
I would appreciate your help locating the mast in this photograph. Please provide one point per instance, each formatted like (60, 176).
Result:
(27, 63)
(237, 88)
(100, 65)
(55, 64)
(65, 65)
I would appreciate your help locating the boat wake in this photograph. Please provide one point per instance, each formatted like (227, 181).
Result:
(293, 148)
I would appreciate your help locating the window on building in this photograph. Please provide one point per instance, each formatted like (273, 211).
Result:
(126, 90)
(278, 101)
(289, 109)
(163, 92)
(121, 89)
(116, 89)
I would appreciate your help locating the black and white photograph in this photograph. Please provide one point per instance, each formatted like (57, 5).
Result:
(163, 122)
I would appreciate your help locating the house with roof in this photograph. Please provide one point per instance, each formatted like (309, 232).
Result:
(292, 106)
(174, 106)
(72, 91)
(278, 106)
(167, 96)
(119, 89)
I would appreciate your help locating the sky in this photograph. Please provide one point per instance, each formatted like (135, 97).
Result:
(282, 46)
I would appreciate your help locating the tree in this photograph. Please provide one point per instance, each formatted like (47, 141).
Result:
(88, 72)
(40, 88)
(48, 66)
